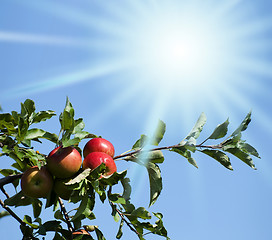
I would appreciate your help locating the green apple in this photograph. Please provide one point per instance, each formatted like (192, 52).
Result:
(37, 183)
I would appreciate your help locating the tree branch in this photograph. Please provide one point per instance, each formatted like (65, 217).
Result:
(9, 179)
(164, 148)
(13, 214)
(125, 220)
(63, 210)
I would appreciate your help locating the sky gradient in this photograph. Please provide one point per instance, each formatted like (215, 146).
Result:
(126, 64)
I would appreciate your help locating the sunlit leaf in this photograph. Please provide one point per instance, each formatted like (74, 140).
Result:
(196, 130)
(243, 126)
(220, 131)
(219, 156)
(155, 181)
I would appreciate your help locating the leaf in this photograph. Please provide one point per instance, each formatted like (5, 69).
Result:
(220, 131)
(116, 198)
(52, 225)
(99, 234)
(247, 148)
(127, 188)
(67, 121)
(18, 199)
(37, 207)
(219, 156)
(159, 133)
(43, 116)
(27, 220)
(141, 212)
(29, 107)
(120, 232)
(114, 178)
(79, 177)
(3, 214)
(156, 156)
(81, 208)
(155, 182)
(140, 143)
(242, 156)
(185, 153)
(195, 132)
(39, 133)
(243, 126)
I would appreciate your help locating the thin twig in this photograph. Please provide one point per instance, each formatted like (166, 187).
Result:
(164, 148)
(124, 219)
(13, 214)
(4, 191)
(63, 210)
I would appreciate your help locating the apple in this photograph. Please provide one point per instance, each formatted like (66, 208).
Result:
(98, 145)
(61, 189)
(37, 183)
(64, 162)
(94, 159)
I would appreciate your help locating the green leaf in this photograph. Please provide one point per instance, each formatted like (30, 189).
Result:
(35, 133)
(27, 219)
(242, 156)
(3, 214)
(114, 213)
(219, 156)
(42, 116)
(19, 199)
(141, 212)
(195, 132)
(82, 207)
(127, 188)
(185, 153)
(140, 143)
(114, 178)
(116, 198)
(52, 225)
(67, 121)
(155, 182)
(99, 234)
(22, 129)
(70, 142)
(243, 126)
(83, 175)
(159, 133)
(37, 207)
(247, 148)
(29, 107)
(220, 131)
(156, 156)
(120, 232)
(7, 122)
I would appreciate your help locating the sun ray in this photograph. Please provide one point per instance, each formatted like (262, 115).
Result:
(62, 80)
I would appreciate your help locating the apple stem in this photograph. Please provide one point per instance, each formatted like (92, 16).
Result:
(63, 210)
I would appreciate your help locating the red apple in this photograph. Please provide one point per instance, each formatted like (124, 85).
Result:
(61, 189)
(98, 145)
(64, 162)
(37, 183)
(94, 159)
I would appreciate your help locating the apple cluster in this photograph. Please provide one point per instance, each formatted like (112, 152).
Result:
(62, 164)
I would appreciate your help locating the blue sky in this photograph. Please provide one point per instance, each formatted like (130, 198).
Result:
(126, 64)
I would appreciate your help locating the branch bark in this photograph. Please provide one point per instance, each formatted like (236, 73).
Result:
(63, 210)
(9, 179)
